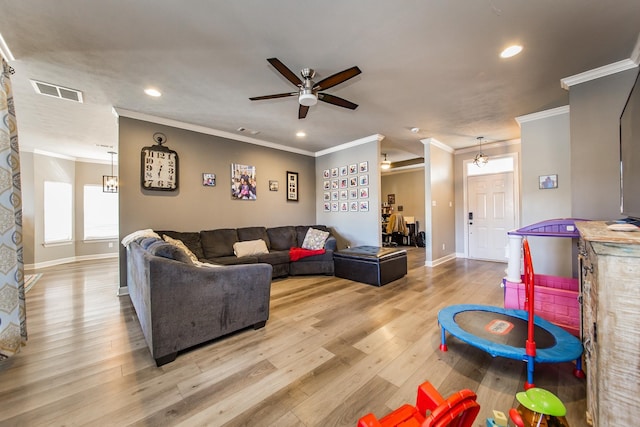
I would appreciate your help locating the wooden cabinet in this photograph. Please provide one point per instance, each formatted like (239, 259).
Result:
(610, 287)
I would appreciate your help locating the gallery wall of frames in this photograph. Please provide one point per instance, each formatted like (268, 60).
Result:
(346, 188)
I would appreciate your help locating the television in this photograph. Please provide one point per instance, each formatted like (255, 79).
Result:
(630, 155)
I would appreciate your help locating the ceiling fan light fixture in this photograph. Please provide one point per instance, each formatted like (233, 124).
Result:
(307, 99)
(385, 164)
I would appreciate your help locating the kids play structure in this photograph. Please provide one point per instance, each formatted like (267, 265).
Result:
(556, 298)
(515, 334)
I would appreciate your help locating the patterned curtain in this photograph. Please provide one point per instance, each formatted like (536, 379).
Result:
(13, 318)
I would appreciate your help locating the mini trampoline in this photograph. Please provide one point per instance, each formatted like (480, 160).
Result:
(510, 333)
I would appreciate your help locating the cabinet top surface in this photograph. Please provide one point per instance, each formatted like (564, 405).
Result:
(597, 231)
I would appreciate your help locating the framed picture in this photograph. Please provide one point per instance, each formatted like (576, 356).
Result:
(327, 207)
(326, 196)
(391, 199)
(292, 186)
(334, 195)
(326, 185)
(353, 193)
(343, 170)
(353, 181)
(335, 184)
(353, 207)
(353, 169)
(364, 167)
(364, 206)
(334, 206)
(344, 183)
(364, 192)
(334, 172)
(243, 182)
(344, 194)
(273, 185)
(546, 182)
(209, 179)
(344, 207)
(326, 174)
(364, 179)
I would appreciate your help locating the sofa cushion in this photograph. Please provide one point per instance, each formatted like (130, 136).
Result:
(274, 257)
(191, 240)
(218, 243)
(234, 260)
(178, 243)
(168, 250)
(250, 247)
(282, 238)
(301, 232)
(315, 239)
(253, 233)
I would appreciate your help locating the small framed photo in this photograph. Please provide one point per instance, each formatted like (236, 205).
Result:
(343, 170)
(364, 192)
(326, 185)
(353, 181)
(273, 185)
(327, 207)
(335, 184)
(326, 196)
(292, 186)
(326, 174)
(546, 182)
(364, 179)
(364, 206)
(334, 172)
(344, 194)
(334, 206)
(353, 193)
(209, 179)
(344, 182)
(364, 167)
(391, 199)
(334, 195)
(353, 206)
(344, 207)
(353, 169)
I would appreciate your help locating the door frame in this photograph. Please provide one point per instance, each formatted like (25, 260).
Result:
(516, 195)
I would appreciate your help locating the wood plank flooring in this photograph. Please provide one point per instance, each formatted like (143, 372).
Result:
(332, 351)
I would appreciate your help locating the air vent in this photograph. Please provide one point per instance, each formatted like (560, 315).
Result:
(57, 91)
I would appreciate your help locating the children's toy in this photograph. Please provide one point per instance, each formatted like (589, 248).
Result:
(538, 408)
(515, 334)
(431, 410)
(556, 297)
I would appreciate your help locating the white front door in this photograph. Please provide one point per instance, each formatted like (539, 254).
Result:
(491, 215)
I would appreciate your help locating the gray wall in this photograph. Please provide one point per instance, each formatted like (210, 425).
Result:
(353, 228)
(546, 150)
(194, 207)
(595, 146)
(442, 204)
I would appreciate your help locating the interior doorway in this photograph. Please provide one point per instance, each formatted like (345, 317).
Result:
(491, 207)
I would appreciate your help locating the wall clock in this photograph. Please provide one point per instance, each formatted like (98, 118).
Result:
(159, 166)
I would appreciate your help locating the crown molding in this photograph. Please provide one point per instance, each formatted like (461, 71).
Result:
(206, 130)
(440, 145)
(367, 139)
(542, 114)
(596, 73)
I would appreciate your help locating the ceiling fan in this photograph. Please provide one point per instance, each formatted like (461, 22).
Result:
(308, 91)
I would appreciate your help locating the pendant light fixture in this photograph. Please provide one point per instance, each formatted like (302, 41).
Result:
(110, 182)
(481, 159)
(386, 164)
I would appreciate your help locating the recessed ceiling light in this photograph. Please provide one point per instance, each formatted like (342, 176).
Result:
(511, 51)
(301, 134)
(152, 92)
(415, 130)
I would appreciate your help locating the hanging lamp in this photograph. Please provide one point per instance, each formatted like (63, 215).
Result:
(481, 159)
(386, 164)
(110, 182)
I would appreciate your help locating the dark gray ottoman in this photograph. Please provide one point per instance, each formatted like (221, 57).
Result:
(370, 264)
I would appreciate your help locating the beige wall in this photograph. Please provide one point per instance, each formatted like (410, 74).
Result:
(408, 187)
(35, 170)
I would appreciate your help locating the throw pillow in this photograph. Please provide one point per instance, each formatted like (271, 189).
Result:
(315, 239)
(182, 246)
(250, 247)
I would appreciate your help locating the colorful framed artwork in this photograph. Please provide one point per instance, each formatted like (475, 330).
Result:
(364, 192)
(326, 196)
(344, 207)
(326, 185)
(326, 174)
(344, 183)
(344, 194)
(334, 195)
(335, 184)
(353, 206)
(334, 172)
(334, 206)
(326, 207)
(364, 179)
(546, 182)
(353, 169)
(209, 179)
(243, 182)
(353, 181)
(364, 206)
(353, 193)
(364, 167)
(343, 171)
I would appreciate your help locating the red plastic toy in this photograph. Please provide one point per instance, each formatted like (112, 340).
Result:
(431, 410)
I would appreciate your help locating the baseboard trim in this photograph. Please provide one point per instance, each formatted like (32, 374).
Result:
(440, 260)
(123, 290)
(60, 261)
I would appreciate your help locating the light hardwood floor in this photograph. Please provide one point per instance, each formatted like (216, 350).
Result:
(332, 351)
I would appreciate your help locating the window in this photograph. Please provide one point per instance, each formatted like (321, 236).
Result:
(100, 213)
(495, 165)
(58, 212)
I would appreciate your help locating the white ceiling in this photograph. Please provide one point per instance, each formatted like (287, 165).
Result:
(427, 64)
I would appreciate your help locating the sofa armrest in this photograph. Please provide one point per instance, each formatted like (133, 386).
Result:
(331, 244)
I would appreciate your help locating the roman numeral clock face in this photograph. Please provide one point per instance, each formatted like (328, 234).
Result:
(159, 169)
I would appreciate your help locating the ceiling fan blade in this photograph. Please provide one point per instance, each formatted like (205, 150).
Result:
(337, 78)
(277, 95)
(286, 72)
(302, 111)
(335, 100)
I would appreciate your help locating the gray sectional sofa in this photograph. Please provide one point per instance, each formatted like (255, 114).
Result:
(180, 305)
(216, 246)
